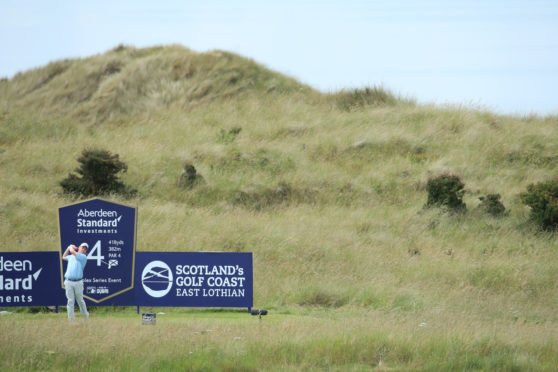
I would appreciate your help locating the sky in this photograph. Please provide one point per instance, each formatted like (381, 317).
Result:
(495, 55)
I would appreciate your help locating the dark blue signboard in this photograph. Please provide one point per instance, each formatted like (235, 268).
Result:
(194, 279)
(30, 279)
(110, 231)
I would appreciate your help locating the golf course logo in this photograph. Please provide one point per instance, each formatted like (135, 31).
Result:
(156, 279)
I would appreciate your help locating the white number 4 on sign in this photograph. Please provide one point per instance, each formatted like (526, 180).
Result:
(95, 253)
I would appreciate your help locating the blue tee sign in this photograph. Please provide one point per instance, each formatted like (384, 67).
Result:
(110, 231)
(194, 279)
(30, 279)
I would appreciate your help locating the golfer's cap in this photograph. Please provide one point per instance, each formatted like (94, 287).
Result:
(84, 245)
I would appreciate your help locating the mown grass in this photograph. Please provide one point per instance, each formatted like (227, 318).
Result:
(302, 339)
(328, 197)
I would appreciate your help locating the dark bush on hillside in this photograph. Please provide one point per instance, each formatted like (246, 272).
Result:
(492, 205)
(447, 191)
(97, 175)
(542, 198)
(190, 177)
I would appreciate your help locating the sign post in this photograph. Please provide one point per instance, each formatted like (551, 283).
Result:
(110, 231)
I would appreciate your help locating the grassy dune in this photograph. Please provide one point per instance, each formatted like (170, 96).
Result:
(327, 191)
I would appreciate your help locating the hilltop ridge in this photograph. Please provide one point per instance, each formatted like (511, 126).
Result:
(127, 80)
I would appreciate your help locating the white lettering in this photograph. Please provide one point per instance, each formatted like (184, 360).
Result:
(207, 270)
(189, 281)
(99, 213)
(16, 299)
(16, 265)
(181, 292)
(14, 284)
(97, 223)
(218, 281)
(223, 292)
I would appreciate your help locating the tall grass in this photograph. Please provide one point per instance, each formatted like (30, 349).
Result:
(310, 340)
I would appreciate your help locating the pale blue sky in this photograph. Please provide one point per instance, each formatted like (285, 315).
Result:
(498, 55)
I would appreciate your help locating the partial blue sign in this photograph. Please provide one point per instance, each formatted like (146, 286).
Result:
(110, 231)
(194, 279)
(30, 279)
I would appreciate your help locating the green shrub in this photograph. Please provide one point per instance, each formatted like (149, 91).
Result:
(190, 177)
(446, 190)
(230, 135)
(492, 205)
(97, 175)
(542, 198)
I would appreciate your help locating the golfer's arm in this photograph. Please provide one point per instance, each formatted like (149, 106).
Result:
(67, 251)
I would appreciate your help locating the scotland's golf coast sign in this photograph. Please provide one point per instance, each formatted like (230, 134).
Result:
(115, 274)
(110, 231)
(194, 279)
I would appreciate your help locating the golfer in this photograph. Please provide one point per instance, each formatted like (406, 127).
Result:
(74, 278)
